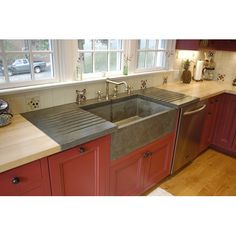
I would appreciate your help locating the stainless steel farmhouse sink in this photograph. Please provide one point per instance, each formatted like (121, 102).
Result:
(140, 120)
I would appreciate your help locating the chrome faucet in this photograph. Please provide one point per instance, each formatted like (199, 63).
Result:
(80, 96)
(116, 87)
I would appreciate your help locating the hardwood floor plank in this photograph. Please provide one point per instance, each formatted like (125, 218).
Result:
(211, 174)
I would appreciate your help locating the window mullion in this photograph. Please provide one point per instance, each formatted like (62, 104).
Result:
(93, 56)
(108, 56)
(156, 52)
(4, 62)
(31, 61)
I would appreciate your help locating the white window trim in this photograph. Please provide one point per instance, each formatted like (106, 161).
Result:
(65, 62)
(108, 51)
(56, 65)
(168, 65)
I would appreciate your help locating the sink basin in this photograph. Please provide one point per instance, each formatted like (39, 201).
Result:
(139, 119)
(127, 111)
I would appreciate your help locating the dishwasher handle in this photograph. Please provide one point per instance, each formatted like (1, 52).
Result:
(195, 111)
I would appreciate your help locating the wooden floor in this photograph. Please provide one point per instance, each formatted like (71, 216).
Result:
(211, 174)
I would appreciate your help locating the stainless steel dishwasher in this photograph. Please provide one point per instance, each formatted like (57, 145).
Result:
(188, 134)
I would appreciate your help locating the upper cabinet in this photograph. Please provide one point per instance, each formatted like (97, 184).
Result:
(187, 44)
(192, 44)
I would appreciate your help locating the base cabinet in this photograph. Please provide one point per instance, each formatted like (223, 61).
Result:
(81, 171)
(210, 122)
(141, 169)
(27, 180)
(225, 133)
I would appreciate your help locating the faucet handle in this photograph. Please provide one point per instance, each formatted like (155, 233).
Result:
(80, 95)
(99, 93)
(115, 90)
(129, 89)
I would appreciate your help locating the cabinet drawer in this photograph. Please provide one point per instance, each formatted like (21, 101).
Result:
(30, 179)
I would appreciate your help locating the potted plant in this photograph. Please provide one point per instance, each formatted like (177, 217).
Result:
(186, 75)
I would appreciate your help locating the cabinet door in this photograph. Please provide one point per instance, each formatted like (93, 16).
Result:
(28, 180)
(157, 161)
(81, 171)
(188, 44)
(126, 175)
(210, 122)
(226, 128)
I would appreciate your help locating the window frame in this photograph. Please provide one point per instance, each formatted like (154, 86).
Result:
(101, 74)
(168, 52)
(53, 51)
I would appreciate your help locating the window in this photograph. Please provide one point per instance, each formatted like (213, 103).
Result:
(26, 62)
(152, 54)
(100, 57)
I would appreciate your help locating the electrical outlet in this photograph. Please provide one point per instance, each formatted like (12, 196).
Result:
(33, 103)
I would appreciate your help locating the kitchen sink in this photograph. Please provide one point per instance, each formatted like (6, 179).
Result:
(139, 119)
(127, 111)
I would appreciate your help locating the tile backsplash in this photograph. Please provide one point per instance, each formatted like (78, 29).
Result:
(64, 95)
(225, 62)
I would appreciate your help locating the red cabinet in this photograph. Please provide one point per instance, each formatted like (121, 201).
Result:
(210, 122)
(126, 175)
(188, 44)
(141, 169)
(225, 133)
(81, 171)
(197, 44)
(157, 161)
(28, 180)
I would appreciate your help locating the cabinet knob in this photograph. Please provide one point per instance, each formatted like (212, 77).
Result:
(15, 180)
(147, 154)
(81, 149)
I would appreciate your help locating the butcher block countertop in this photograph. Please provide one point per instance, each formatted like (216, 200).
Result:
(22, 142)
(203, 89)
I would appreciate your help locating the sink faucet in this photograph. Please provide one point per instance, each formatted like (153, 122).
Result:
(116, 84)
(81, 96)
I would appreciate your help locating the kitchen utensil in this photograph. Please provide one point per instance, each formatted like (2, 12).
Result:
(5, 116)
(198, 71)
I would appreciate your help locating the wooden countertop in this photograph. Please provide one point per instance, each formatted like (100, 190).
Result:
(22, 142)
(202, 90)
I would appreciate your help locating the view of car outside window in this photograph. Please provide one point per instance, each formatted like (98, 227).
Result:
(19, 65)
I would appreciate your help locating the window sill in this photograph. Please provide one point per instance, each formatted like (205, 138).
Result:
(69, 83)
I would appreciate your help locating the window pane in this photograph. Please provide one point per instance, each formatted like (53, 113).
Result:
(42, 64)
(18, 67)
(115, 44)
(162, 44)
(101, 61)
(85, 44)
(101, 44)
(151, 44)
(87, 59)
(161, 58)
(115, 61)
(16, 45)
(141, 59)
(41, 45)
(2, 77)
(142, 44)
(150, 59)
